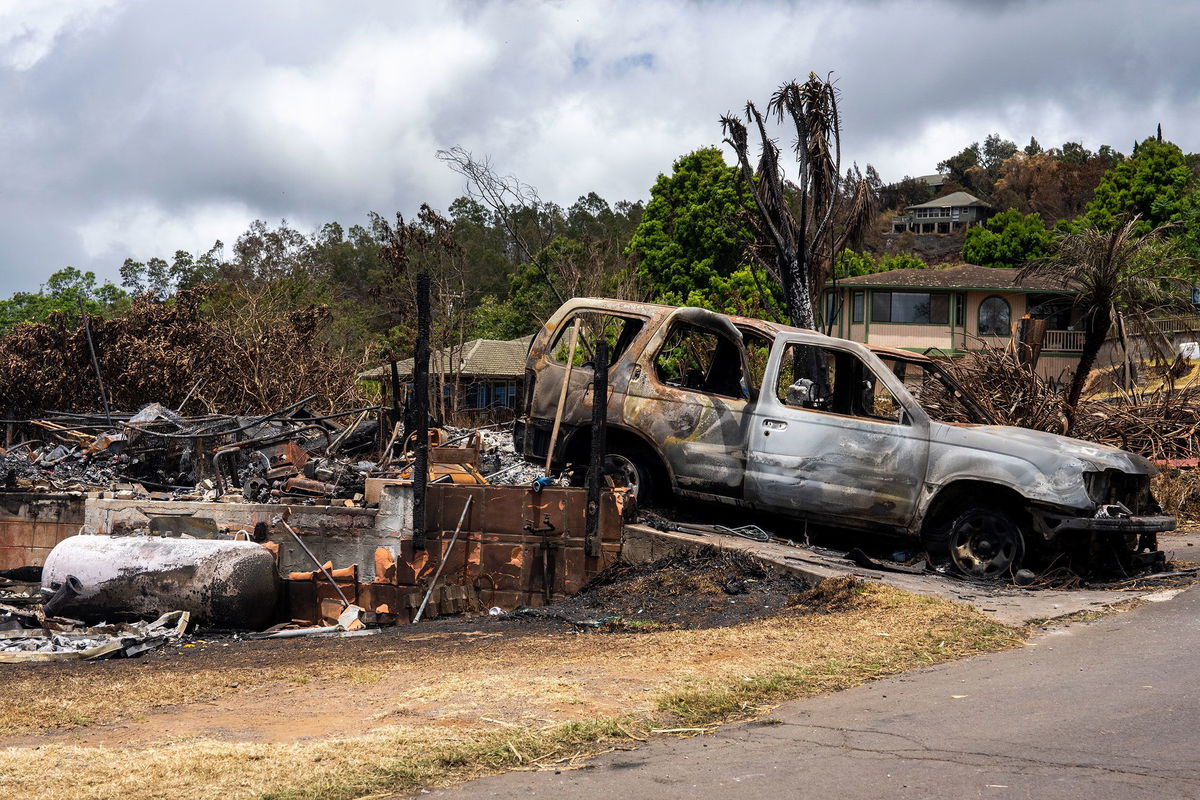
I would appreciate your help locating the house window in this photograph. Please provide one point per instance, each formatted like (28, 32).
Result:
(856, 305)
(928, 308)
(995, 317)
(832, 308)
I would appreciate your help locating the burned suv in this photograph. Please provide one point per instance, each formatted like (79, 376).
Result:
(736, 410)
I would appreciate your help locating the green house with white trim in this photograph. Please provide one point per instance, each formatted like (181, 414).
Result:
(955, 212)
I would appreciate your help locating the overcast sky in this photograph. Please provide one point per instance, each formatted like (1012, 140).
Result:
(137, 128)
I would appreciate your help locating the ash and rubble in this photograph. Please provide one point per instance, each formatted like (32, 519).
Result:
(291, 456)
(29, 634)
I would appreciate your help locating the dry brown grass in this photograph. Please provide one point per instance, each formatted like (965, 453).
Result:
(1178, 492)
(506, 702)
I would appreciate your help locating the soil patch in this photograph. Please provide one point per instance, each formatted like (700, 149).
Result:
(693, 590)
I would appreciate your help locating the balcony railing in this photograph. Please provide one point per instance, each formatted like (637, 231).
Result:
(1063, 341)
(1072, 341)
(1190, 324)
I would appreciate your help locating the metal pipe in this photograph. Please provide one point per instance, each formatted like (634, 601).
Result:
(87, 329)
(599, 448)
(420, 476)
(309, 553)
(562, 395)
(445, 558)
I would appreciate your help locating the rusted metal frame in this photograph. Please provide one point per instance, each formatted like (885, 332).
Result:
(346, 433)
(208, 432)
(562, 394)
(445, 557)
(87, 329)
(420, 476)
(236, 447)
(591, 544)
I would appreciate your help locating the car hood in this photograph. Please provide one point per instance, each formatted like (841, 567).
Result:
(1042, 448)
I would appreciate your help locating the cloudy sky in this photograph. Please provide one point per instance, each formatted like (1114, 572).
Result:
(140, 127)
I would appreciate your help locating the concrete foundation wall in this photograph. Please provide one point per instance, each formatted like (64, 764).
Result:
(344, 536)
(31, 524)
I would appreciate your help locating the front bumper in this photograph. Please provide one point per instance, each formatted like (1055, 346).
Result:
(1115, 519)
(1120, 525)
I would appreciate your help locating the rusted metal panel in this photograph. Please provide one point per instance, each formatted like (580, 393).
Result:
(516, 547)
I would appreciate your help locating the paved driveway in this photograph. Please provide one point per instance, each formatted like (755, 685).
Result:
(1109, 709)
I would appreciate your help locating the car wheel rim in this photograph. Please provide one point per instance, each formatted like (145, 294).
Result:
(623, 473)
(985, 544)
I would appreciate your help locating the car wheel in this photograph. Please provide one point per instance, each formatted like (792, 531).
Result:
(986, 544)
(623, 470)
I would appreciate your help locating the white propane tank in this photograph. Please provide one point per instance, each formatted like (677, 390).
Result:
(222, 583)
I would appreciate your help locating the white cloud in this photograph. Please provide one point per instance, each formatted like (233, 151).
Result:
(144, 230)
(145, 127)
(29, 29)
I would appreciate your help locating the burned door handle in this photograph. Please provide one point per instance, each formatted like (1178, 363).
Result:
(775, 424)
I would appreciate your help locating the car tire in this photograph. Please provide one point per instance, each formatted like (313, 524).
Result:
(983, 543)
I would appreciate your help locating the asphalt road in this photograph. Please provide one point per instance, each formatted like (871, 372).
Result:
(1109, 709)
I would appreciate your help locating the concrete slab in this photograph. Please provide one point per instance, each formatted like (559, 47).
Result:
(1181, 545)
(1010, 606)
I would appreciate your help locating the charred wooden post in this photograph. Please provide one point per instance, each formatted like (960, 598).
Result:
(420, 472)
(595, 481)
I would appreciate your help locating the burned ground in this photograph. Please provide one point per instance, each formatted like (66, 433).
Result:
(441, 701)
(706, 588)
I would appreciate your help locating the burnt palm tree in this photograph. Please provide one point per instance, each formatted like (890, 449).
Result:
(1116, 273)
(797, 233)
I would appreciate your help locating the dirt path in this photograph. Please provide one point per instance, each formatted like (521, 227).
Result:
(459, 698)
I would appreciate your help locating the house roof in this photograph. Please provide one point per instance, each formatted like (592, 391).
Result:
(936, 179)
(960, 276)
(954, 199)
(480, 358)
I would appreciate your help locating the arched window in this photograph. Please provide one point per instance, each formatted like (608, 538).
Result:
(995, 317)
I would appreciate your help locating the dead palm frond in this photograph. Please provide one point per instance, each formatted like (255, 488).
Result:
(1114, 273)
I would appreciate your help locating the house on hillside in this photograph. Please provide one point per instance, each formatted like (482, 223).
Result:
(956, 309)
(954, 212)
(482, 377)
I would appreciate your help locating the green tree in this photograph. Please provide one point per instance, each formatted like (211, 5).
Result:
(1152, 184)
(957, 165)
(61, 294)
(1008, 239)
(692, 231)
(851, 264)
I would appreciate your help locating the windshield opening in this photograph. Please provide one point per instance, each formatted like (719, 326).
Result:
(942, 398)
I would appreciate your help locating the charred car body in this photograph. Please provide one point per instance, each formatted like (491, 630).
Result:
(791, 421)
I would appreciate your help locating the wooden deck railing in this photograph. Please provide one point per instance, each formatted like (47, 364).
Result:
(1063, 341)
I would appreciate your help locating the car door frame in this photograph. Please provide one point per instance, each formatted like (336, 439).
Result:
(831, 475)
(702, 436)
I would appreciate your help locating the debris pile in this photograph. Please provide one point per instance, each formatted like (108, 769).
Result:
(289, 456)
(1161, 425)
(705, 588)
(28, 633)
